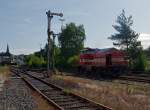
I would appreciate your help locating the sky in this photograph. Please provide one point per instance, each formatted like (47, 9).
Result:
(23, 23)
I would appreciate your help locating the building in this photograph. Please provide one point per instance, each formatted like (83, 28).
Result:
(5, 57)
(19, 59)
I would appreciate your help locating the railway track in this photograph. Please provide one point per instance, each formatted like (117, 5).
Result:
(135, 78)
(57, 96)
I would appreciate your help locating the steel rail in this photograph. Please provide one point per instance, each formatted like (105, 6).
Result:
(134, 78)
(77, 97)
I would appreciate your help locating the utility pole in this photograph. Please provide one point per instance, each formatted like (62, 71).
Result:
(50, 15)
(53, 51)
(62, 23)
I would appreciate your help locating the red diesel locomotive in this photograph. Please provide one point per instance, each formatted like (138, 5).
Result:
(109, 59)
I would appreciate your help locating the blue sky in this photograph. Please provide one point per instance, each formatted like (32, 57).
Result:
(23, 23)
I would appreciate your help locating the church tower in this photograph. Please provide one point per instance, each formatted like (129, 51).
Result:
(7, 51)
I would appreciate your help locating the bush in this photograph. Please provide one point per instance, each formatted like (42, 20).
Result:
(65, 63)
(140, 62)
(35, 61)
(73, 61)
(147, 66)
(60, 62)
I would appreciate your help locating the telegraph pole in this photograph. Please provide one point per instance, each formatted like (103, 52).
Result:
(53, 51)
(50, 15)
(62, 23)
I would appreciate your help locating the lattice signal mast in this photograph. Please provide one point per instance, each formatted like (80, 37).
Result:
(50, 15)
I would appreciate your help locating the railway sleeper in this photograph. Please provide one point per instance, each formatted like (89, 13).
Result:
(65, 101)
(58, 93)
(85, 108)
(43, 87)
(74, 104)
(37, 83)
(61, 99)
(70, 103)
(52, 93)
(47, 90)
(78, 106)
(34, 81)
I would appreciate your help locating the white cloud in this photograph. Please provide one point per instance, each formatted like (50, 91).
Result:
(144, 36)
(23, 51)
(145, 39)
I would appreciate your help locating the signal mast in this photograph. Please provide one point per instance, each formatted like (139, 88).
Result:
(50, 60)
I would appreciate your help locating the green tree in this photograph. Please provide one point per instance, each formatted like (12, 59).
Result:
(140, 62)
(73, 61)
(126, 38)
(35, 61)
(71, 40)
(147, 52)
(42, 52)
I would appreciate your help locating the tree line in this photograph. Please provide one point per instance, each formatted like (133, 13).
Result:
(71, 41)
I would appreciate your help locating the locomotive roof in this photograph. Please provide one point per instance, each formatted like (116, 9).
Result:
(100, 50)
(108, 49)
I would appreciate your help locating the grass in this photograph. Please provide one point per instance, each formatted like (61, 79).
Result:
(4, 69)
(4, 72)
(148, 66)
(113, 94)
(67, 91)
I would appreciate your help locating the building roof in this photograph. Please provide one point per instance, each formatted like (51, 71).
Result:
(7, 53)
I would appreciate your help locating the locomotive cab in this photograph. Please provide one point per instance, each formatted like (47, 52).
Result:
(108, 60)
